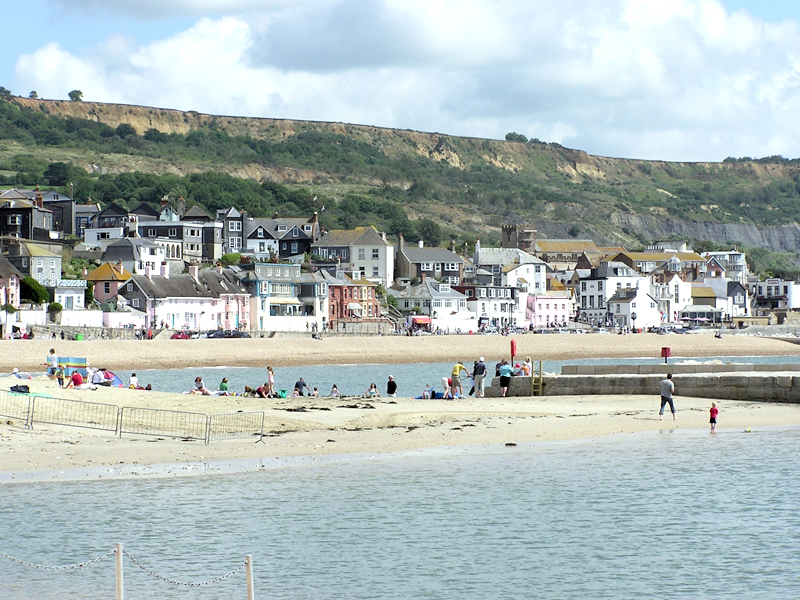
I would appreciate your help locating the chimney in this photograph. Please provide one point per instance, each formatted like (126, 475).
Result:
(147, 271)
(423, 277)
(181, 206)
(194, 271)
(276, 215)
(400, 243)
(164, 202)
(383, 236)
(315, 218)
(120, 268)
(420, 244)
(165, 269)
(133, 229)
(39, 199)
(453, 246)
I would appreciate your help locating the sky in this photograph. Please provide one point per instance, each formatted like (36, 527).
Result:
(678, 80)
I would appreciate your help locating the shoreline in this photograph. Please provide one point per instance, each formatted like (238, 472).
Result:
(308, 429)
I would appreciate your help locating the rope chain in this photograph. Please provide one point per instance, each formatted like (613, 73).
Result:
(63, 568)
(174, 582)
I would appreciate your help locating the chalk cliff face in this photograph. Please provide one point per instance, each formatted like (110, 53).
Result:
(615, 201)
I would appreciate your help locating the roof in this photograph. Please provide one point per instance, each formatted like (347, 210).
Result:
(21, 203)
(565, 246)
(128, 248)
(663, 256)
(31, 249)
(195, 212)
(360, 236)
(505, 256)
(420, 255)
(108, 272)
(8, 270)
(175, 286)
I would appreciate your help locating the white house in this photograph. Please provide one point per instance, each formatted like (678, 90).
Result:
(549, 309)
(634, 308)
(603, 282)
(362, 249)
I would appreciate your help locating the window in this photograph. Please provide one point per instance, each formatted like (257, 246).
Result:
(103, 235)
(130, 287)
(282, 227)
(294, 248)
(444, 287)
(260, 233)
(234, 225)
(426, 266)
(375, 272)
(361, 254)
(107, 287)
(14, 220)
(451, 266)
(482, 293)
(173, 232)
(344, 254)
(135, 303)
(583, 286)
(307, 228)
(491, 293)
(599, 286)
(375, 254)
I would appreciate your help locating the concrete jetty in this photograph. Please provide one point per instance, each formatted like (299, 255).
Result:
(758, 382)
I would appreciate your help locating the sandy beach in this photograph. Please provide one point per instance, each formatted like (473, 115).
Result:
(322, 426)
(165, 353)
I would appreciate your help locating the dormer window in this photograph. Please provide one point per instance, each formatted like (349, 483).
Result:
(307, 228)
(445, 287)
(260, 233)
(282, 227)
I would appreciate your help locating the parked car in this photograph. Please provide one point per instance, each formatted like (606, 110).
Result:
(239, 334)
(198, 335)
(180, 335)
(215, 333)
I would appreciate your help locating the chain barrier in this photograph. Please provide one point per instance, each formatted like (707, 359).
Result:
(64, 568)
(174, 582)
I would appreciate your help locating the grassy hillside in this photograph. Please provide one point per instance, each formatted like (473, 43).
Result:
(421, 184)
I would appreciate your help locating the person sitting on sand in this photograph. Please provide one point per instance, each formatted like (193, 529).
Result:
(372, 392)
(315, 393)
(248, 392)
(133, 382)
(76, 382)
(223, 387)
(427, 393)
(334, 391)
(200, 387)
(296, 393)
(262, 391)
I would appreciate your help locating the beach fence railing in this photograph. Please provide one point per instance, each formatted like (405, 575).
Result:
(167, 423)
(74, 413)
(226, 426)
(16, 406)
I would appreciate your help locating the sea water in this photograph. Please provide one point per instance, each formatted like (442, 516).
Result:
(669, 514)
(354, 380)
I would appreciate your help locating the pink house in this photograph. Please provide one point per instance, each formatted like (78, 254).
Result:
(107, 279)
(9, 283)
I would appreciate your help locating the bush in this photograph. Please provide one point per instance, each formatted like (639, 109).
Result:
(54, 307)
(33, 291)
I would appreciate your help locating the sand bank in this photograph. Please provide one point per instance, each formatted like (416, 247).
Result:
(29, 355)
(326, 427)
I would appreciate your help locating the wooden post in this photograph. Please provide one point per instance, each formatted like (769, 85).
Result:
(251, 595)
(120, 587)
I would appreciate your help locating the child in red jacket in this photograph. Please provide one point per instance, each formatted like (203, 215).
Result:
(714, 411)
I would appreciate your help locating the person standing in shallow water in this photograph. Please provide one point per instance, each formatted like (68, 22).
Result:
(713, 412)
(667, 390)
(391, 387)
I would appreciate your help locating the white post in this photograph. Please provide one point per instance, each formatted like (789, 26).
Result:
(120, 588)
(251, 595)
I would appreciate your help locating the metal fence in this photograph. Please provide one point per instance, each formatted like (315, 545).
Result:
(142, 421)
(169, 423)
(227, 426)
(74, 413)
(15, 406)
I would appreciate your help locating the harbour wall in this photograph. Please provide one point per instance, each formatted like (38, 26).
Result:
(761, 383)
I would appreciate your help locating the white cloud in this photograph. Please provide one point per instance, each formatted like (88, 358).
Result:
(683, 80)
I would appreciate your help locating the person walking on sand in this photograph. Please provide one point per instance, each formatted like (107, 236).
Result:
(478, 376)
(667, 390)
(52, 363)
(713, 412)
